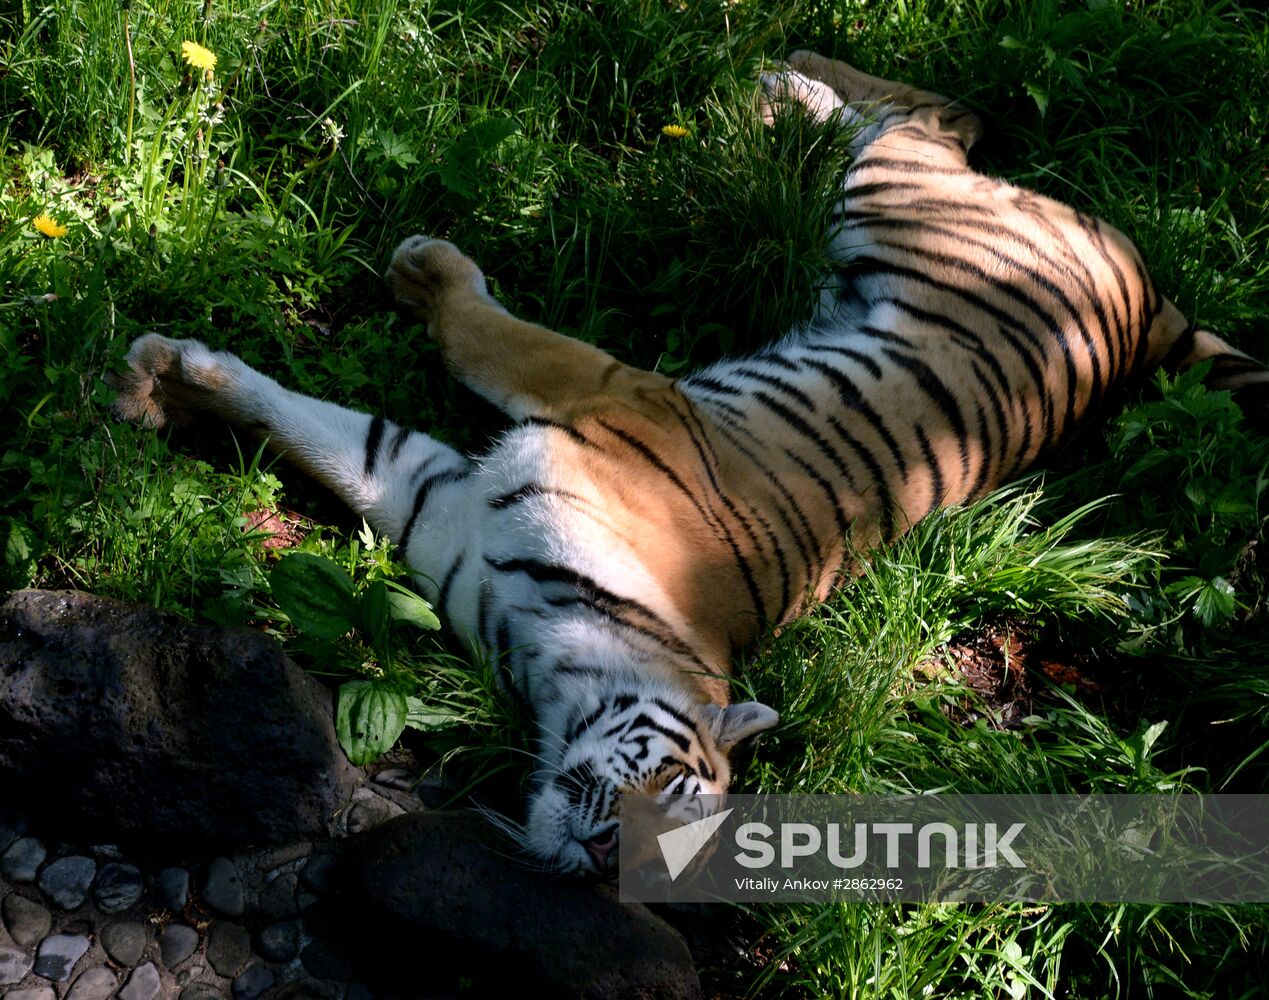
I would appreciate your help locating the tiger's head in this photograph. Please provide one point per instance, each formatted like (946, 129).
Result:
(627, 738)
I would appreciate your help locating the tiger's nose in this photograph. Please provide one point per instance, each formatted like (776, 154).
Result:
(600, 846)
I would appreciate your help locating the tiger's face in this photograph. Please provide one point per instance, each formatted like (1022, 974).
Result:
(625, 741)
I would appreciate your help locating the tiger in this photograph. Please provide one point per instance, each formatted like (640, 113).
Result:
(630, 531)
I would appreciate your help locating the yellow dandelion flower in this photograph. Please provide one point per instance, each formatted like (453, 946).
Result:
(49, 226)
(198, 57)
(674, 131)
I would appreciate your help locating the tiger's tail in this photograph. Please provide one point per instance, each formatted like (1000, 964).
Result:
(1243, 376)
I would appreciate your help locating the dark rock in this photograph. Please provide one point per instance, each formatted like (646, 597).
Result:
(312, 989)
(279, 942)
(66, 880)
(26, 921)
(14, 965)
(173, 888)
(438, 890)
(58, 954)
(228, 948)
(118, 887)
(222, 888)
(22, 860)
(11, 828)
(252, 983)
(318, 873)
(143, 984)
(278, 897)
(358, 991)
(107, 702)
(176, 943)
(96, 983)
(325, 962)
(124, 941)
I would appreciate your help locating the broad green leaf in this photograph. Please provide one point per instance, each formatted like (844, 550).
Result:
(420, 716)
(315, 594)
(407, 606)
(368, 719)
(375, 613)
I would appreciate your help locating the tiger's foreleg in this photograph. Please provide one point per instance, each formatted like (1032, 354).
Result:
(524, 369)
(383, 472)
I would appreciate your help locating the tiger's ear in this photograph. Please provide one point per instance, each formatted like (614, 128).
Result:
(738, 722)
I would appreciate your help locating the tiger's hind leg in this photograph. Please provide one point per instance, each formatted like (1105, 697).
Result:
(909, 118)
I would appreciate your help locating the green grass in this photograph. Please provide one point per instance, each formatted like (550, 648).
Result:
(255, 210)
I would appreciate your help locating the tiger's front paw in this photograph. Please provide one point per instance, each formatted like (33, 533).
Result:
(425, 272)
(166, 381)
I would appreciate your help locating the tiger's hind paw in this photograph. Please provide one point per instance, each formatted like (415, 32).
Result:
(425, 271)
(786, 87)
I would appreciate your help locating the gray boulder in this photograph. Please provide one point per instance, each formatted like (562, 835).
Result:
(441, 891)
(137, 726)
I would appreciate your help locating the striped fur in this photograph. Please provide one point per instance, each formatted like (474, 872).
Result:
(630, 532)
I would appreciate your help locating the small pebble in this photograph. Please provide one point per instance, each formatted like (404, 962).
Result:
(14, 965)
(396, 777)
(66, 880)
(118, 887)
(279, 856)
(124, 941)
(58, 954)
(228, 948)
(176, 943)
(201, 991)
(22, 860)
(252, 983)
(173, 889)
(95, 983)
(27, 921)
(222, 888)
(143, 984)
(279, 942)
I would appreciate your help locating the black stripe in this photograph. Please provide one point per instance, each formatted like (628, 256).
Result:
(850, 397)
(647, 722)
(936, 473)
(424, 491)
(442, 600)
(398, 442)
(776, 383)
(373, 437)
(878, 476)
(933, 387)
(577, 436)
(874, 369)
(516, 496)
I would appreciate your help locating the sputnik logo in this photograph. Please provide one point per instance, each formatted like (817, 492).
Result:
(680, 846)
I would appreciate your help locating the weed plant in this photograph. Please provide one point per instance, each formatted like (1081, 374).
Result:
(605, 165)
